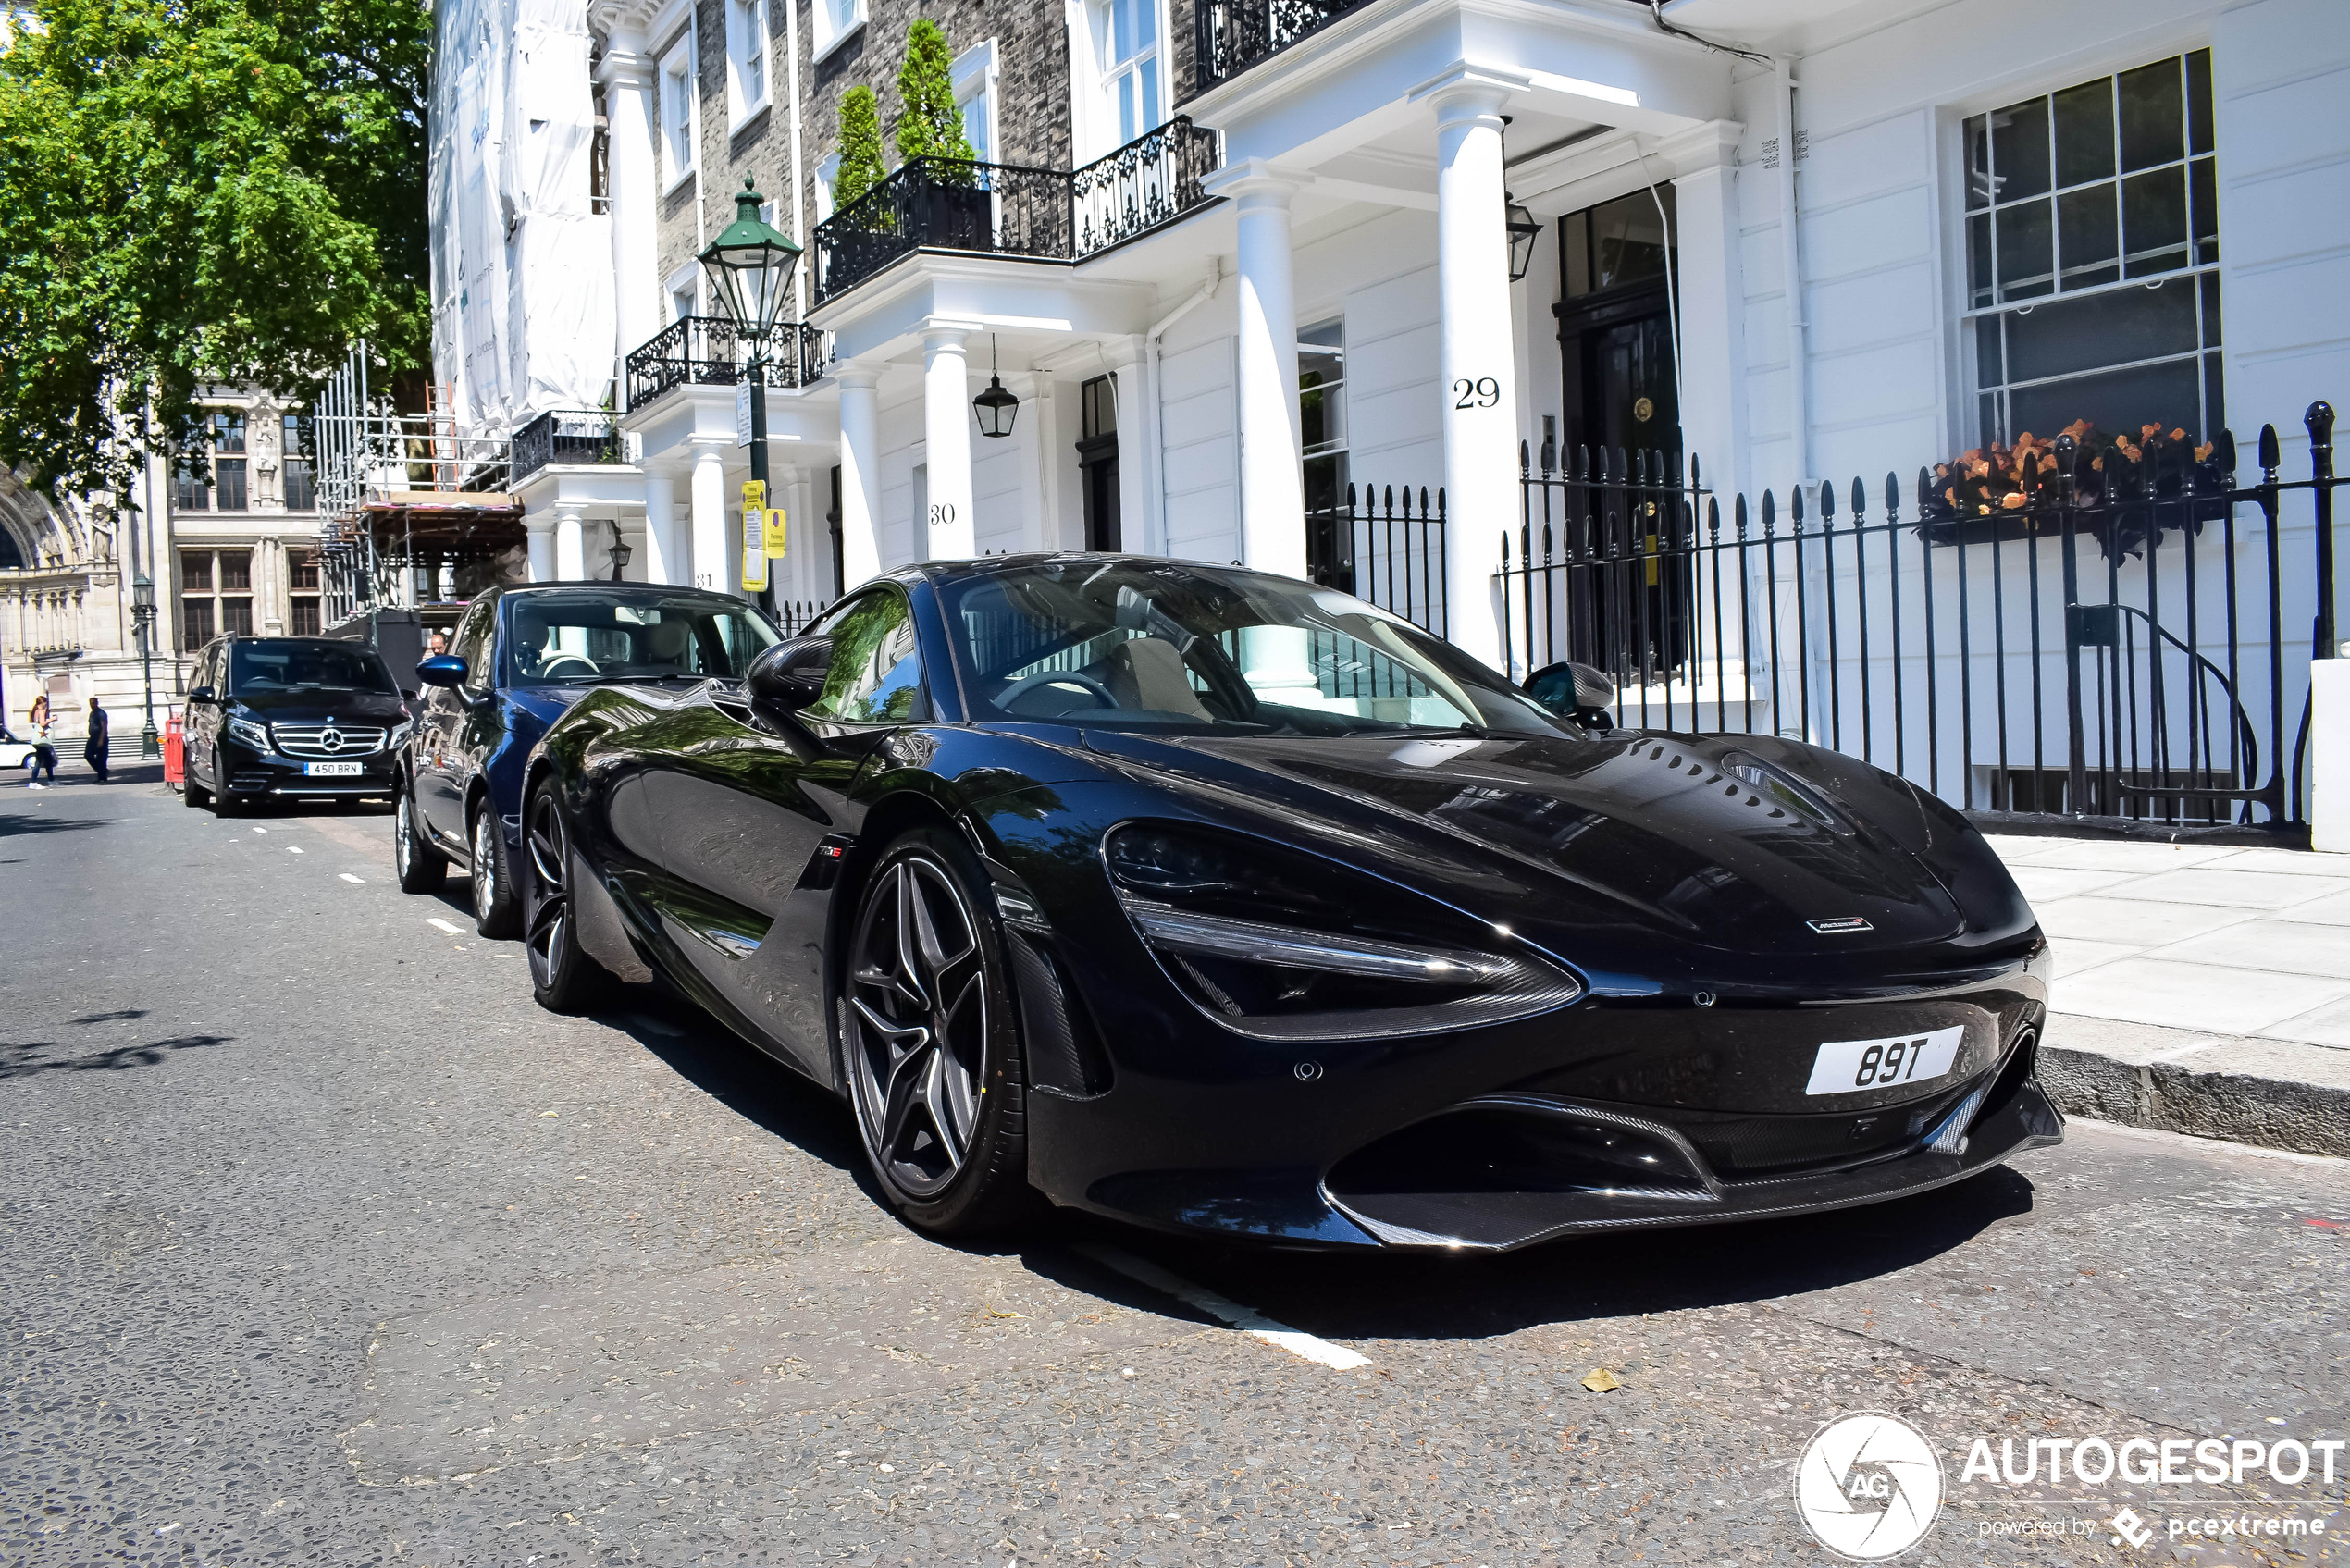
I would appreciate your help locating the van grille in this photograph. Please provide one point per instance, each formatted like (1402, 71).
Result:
(327, 742)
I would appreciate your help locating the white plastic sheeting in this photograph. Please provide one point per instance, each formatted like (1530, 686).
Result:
(523, 312)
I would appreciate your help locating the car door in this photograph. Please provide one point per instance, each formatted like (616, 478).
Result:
(745, 811)
(200, 722)
(440, 731)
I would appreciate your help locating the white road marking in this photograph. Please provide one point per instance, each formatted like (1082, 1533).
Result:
(437, 920)
(293, 848)
(1246, 1319)
(355, 881)
(261, 830)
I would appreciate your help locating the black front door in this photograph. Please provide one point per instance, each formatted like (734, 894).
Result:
(1098, 463)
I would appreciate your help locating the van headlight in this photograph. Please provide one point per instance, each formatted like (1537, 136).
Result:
(252, 732)
(1281, 945)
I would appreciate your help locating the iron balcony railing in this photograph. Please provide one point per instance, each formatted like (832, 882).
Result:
(565, 434)
(1006, 210)
(710, 350)
(1229, 36)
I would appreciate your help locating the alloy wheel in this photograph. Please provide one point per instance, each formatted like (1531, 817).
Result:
(403, 837)
(550, 911)
(919, 996)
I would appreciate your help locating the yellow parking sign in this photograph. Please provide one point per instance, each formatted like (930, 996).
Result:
(754, 538)
(776, 533)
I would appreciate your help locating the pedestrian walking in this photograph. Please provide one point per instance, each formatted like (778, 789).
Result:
(93, 750)
(42, 725)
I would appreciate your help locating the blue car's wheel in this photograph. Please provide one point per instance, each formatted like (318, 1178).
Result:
(497, 912)
(930, 1051)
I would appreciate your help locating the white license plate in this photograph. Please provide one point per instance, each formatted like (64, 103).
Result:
(331, 770)
(1849, 1067)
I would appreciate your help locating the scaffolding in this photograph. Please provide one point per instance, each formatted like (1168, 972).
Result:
(415, 514)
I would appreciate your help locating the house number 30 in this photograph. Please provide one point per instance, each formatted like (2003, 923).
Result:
(1483, 392)
(941, 513)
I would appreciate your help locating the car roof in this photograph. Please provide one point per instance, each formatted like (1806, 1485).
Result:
(650, 590)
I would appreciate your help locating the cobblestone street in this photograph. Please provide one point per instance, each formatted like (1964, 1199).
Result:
(325, 1244)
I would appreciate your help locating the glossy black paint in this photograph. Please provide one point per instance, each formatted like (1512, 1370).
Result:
(731, 842)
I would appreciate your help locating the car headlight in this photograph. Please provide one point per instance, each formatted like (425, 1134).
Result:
(400, 734)
(252, 732)
(1281, 945)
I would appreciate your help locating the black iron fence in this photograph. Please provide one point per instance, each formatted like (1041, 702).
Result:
(2134, 648)
(565, 434)
(1004, 209)
(1229, 36)
(1387, 546)
(795, 616)
(710, 350)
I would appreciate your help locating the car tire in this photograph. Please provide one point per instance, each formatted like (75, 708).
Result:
(563, 977)
(222, 803)
(191, 794)
(929, 1041)
(497, 913)
(417, 864)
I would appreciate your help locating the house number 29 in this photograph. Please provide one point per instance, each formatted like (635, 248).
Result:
(941, 513)
(1483, 392)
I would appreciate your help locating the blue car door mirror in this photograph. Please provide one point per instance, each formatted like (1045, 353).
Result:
(441, 670)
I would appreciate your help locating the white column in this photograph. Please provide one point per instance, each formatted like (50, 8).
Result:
(665, 560)
(715, 550)
(860, 473)
(1475, 359)
(949, 533)
(1137, 442)
(1272, 486)
(627, 72)
(570, 547)
(1712, 297)
(541, 531)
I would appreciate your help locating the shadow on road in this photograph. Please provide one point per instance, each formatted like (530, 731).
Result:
(13, 825)
(27, 1058)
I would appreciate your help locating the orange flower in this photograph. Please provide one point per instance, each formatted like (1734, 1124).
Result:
(1978, 469)
(2098, 463)
(2079, 429)
(1969, 454)
(2202, 452)
(2179, 435)
(2014, 500)
(1950, 496)
(2148, 432)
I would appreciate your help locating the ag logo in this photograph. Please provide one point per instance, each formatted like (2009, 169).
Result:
(1869, 1486)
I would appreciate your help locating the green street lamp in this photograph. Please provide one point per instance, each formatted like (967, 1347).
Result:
(749, 266)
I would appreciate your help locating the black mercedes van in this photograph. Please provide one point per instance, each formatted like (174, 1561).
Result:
(307, 718)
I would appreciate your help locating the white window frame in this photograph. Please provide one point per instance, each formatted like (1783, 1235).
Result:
(748, 40)
(827, 176)
(1090, 34)
(833, 31)
(686, 280)
(679, 90)
(975, 77)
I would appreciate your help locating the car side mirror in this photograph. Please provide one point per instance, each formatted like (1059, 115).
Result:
(788, 675)
(441, 670)
(1574, 691)
(200, 697)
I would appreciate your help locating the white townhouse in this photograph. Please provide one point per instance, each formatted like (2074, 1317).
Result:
(1232, 256)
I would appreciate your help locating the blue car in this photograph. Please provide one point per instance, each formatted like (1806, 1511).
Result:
(521, 657)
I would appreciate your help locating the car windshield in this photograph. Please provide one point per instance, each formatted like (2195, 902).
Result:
(1136, 643)
(284, 664)
(581, 637)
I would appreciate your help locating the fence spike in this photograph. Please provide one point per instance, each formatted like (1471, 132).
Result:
(1694, 483)
(1795, 510)
(1524, 460)
(1770, 514)
(1738, 514)
(2270, 458)
(1712, 521)
(1926, 487)
(1546, 544)
(2319, 419)
(1623, 466)
(1860, 500)
(1439, 500)
(1582, 463)
(1391, 497)
(1827, 502)
(2225, 451)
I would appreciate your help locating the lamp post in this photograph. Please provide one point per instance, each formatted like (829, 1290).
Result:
(143, 615)
(749, 266)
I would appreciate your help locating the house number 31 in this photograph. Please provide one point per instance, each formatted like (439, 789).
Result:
(1483, 392)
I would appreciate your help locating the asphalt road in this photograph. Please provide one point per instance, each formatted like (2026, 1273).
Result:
(324, 1244)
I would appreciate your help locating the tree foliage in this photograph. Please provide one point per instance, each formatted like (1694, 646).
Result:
(860, 147)
(196, 192)
(930, 124)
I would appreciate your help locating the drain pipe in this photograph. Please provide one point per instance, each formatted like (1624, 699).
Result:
(1205, 292)
(1791, 264)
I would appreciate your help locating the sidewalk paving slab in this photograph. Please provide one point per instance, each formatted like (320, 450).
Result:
(2200, 989)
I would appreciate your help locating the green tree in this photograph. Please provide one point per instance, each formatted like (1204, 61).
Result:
(194, 191)
(930, 126)
(860, 152)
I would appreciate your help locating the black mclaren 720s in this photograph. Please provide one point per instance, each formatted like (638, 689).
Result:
(1223, 903)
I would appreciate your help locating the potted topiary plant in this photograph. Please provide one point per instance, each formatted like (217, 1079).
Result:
(864, 233)
(951, 207)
